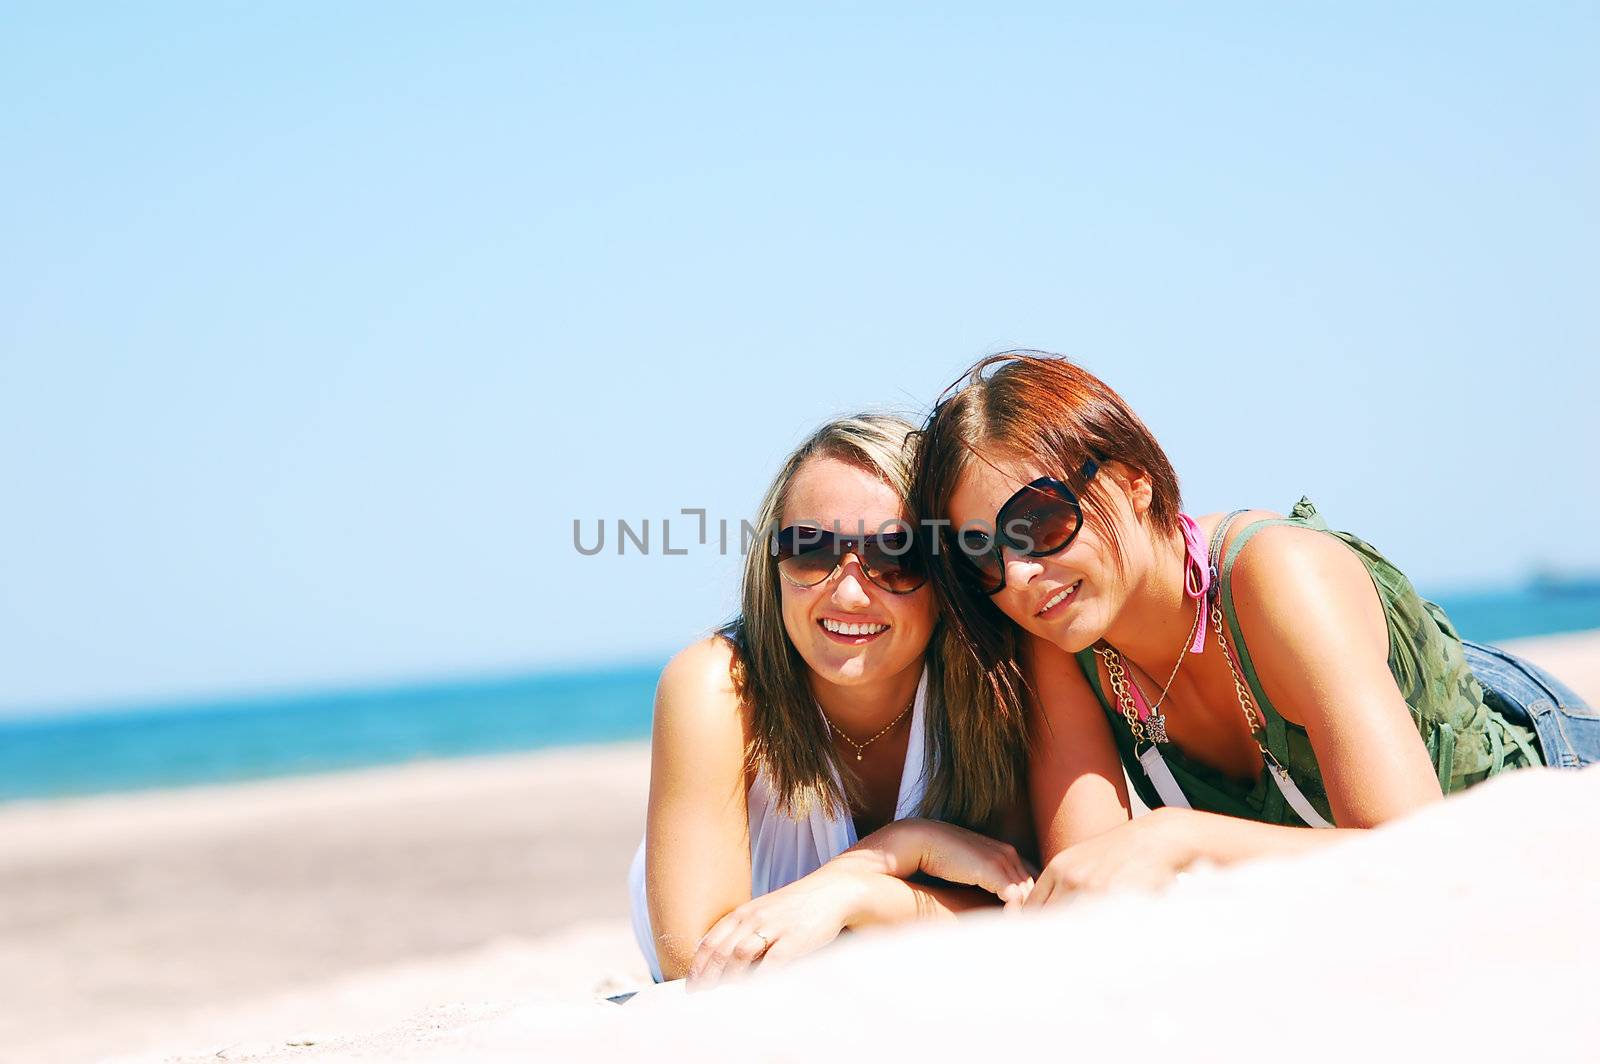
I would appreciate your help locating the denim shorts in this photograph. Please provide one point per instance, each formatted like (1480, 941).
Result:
(1567, 726)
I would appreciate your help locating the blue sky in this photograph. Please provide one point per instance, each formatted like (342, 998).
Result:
(318, 329)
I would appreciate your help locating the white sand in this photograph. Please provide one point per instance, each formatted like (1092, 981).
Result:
(477, 909)
(1425, 944)
(124, 918)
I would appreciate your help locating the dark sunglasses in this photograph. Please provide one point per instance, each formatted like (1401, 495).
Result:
(807, 556)
(1039, 520)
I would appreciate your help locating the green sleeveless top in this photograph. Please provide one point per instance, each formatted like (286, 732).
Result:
(1466, 739)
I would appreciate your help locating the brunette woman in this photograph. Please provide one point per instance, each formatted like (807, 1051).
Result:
(1256, 674)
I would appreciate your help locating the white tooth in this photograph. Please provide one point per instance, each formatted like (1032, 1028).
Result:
(842, 628)
(1057, 598)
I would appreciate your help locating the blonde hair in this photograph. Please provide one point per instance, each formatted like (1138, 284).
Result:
(789, 739)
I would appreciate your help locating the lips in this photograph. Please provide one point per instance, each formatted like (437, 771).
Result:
(1059, 599)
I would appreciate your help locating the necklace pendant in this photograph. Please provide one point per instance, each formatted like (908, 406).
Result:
(1156, 726)
(858, 755)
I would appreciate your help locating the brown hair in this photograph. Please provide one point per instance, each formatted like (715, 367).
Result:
(1021, 406)
(789, 741)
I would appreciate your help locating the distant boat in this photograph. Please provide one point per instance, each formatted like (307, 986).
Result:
(1568, 584)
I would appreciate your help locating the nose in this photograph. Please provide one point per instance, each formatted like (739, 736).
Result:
(1020, 569)
(848, 592)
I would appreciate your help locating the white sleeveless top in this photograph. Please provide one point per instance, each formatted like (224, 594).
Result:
(783, 849)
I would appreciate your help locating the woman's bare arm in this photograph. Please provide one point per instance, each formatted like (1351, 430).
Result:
(1074, 774)
(1320, 644)
(697, 833)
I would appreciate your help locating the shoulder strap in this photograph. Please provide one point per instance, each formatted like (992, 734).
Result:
(1216, 547)
(1277, 738)
(1222, 588)
(1160, 775)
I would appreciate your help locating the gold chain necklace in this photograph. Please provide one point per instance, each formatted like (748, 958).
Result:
(1241, 691)
(1120, 678)
(1246, 703)
(859, 747)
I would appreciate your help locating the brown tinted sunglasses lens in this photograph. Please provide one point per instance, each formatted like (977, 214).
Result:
(1042, 516)
(805, 555)
(982, 561)
(892, 563)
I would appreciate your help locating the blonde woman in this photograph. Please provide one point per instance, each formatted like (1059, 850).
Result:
(798, 751)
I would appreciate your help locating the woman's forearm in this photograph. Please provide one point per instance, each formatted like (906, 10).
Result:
(883, 881)
(1224, 839)
(880, 899)
(893, 850)
(920, 868)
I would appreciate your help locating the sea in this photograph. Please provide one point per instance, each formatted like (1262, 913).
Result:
(98, 751)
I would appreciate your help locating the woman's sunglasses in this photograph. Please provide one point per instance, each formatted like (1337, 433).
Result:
(807, 556)
(1039, 520)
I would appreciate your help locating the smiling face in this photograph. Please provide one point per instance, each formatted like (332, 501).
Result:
(848, 629)
(1070, 598)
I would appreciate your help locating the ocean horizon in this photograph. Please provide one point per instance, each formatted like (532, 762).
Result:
(102, 750)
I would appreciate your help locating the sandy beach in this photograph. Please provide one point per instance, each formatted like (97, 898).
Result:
(130, 920)
(365, 915)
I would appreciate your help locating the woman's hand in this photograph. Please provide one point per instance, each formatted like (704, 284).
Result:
(1145, 853)
(786, 923)
(811, 912)
(951, 853)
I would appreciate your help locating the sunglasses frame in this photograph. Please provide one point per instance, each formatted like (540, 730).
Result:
(841, 546)
(1000, 540)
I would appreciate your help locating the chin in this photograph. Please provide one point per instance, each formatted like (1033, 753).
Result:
(827, 662)
(1073, 637)
(1074, 643)
(851, 672)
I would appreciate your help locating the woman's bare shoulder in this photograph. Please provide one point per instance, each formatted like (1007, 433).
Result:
(1281, 554)
(1303, 597)
(1208, 524)
(696, 692)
